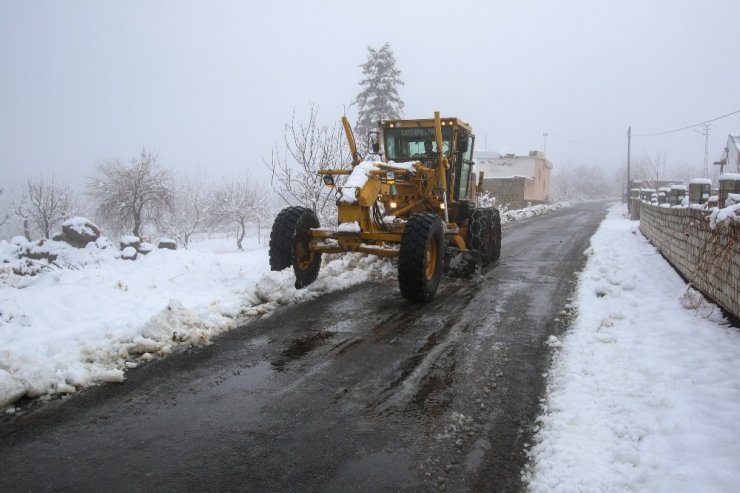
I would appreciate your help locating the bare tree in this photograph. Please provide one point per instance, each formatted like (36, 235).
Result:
(4, 210)
(240, 202)
(651, 169)
(579, 182)
(188, 209)
(309, 147)
(129, 195)
(43, 204)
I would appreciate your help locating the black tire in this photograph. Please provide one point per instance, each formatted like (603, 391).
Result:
(289, 244)
(481, 235)
(464, 209)
(420, 257)
(495, 252)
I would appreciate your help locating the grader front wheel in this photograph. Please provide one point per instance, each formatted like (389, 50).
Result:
(290, 244)
(420, 257)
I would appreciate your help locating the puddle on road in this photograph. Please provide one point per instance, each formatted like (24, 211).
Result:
(389, 472)
(301, 347)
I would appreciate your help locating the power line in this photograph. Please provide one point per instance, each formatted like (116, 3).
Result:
(687, 127)
(579, 143)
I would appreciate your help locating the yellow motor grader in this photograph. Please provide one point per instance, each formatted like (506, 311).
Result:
(417, 203)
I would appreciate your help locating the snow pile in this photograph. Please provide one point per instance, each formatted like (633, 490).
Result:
(355, 182)
(535, 210)
(644, 394)
(360, 173)
(725, 216)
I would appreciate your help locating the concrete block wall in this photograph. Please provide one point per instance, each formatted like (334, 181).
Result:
(708, 258)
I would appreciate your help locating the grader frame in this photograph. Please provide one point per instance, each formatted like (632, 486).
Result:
(417, 204)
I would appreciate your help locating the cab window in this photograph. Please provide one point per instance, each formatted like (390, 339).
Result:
(414, 143)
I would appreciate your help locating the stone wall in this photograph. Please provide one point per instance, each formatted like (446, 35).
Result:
(708, 258)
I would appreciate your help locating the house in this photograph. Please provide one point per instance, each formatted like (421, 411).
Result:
(730, 160)
(515, 180)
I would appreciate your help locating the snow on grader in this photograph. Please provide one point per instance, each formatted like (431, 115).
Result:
(416, 204)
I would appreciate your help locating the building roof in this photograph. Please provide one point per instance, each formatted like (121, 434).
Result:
(507, 167)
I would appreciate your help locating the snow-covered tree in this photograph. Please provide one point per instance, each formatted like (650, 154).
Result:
(240, 202)
(44, 203)
(379, 98)
(188, 209)
(309, 147)
(128, 195)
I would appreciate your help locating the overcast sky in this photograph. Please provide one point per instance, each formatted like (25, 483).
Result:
(211, 84)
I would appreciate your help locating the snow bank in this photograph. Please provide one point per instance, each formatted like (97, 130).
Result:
(644, 394)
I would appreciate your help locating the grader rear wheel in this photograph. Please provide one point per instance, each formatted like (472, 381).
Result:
(290, 240)
(480, 234)
(420, 257)
(495, 252)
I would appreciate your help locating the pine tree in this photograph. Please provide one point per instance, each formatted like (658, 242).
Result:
(379, 99)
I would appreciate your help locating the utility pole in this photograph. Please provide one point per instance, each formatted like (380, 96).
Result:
(545, 136)
(705, 133)
(629, 144)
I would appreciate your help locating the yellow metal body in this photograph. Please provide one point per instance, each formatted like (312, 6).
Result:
(392, 193)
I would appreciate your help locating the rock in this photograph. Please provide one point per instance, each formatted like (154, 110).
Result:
(145, 248)
(167, 243)
(36, 250)
(130, 241)
(129, 253)
(79, 231)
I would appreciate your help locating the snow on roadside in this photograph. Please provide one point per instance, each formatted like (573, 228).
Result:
(644, 393)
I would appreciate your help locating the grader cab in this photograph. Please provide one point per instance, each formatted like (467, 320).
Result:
(417, 203)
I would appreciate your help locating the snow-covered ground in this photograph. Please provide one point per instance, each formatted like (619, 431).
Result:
(644, 391)
(643, 395)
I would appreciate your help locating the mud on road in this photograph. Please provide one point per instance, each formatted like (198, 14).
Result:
(356, 391)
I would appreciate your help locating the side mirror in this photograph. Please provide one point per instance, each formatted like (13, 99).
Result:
(462, 142)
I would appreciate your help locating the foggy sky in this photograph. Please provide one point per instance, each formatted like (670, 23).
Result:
(211, 84)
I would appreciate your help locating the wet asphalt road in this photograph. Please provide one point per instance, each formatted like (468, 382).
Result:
(355, 391)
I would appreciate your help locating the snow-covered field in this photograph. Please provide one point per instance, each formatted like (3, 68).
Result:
(644, 392)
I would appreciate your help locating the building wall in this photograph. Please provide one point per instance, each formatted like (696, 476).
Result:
(733, 157)
(538, 190)
(708, 258)
(508, 191)
(516, 180)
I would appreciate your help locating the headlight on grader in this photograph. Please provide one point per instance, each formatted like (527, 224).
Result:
(393, 205)
(329, 180)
